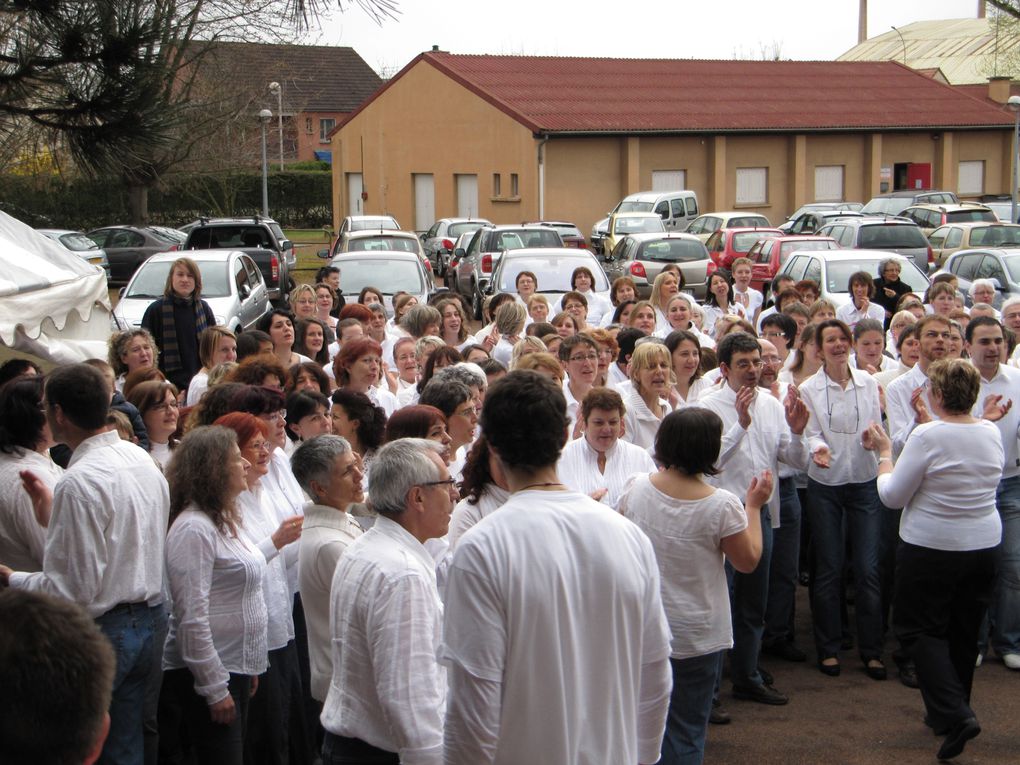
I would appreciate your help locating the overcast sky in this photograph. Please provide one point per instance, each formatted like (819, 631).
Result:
(800, 29)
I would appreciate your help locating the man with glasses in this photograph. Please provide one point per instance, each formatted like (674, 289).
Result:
(781, 331)
(579, 355)
(387, 693)
(758, 431)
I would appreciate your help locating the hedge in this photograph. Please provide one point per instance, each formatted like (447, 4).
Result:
(297, 199)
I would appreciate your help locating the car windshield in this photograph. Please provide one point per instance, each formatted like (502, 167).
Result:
(887, 206)
(228, 238)
(806, 244)
(634, 207)
(150, 279)
(364, 224)
(78, 242)
(382, 244)
(385, 274)
(744, 241)
(839, 272)
(748, 220)
(456, 229)
(518, 239)
(995, 236)
(168, 235)
(672, 251)
(553, 272)
(976, 214)
(638, 225)
(567, 230)
(886, 235)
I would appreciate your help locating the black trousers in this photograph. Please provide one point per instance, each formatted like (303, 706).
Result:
(267, 739)
(340, 750)
(181, 709)
(941, 597)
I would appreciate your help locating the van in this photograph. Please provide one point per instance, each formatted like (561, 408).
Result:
(676, 208)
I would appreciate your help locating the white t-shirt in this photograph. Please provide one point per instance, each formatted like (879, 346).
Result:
(687, 535)
(578, 468)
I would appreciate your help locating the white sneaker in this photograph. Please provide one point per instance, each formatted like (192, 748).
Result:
(1012, 660)
(978, 660)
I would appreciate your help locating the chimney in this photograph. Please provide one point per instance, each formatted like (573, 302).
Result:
(862, 22)
(998, 89)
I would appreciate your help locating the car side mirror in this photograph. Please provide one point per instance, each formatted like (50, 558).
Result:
(458, 253)
(995, 282)
(244, 291)
(286, 244)
(323, 253)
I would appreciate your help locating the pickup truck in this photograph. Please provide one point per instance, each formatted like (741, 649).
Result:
(260, 238)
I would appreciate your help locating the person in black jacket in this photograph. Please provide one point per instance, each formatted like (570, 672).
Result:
(888, 287)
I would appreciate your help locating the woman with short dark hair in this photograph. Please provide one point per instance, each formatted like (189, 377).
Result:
(156, 401)
(862, 291)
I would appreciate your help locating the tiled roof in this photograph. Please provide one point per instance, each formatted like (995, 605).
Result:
(315, 78)
(598, 95)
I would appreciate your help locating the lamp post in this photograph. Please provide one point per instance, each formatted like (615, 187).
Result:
(1014, 104)
(277, 90)
(264, 116)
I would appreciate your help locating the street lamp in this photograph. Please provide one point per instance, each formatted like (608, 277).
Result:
(277, 90)
(264, 116)
(1014, 104)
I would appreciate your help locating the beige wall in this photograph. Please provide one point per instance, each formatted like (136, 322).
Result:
(426, 123)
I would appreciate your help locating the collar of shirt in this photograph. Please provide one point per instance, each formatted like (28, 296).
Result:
(593, 453)
(821, 379)
(640, 408)
(393, 530)
(326, 517)
(99, 441)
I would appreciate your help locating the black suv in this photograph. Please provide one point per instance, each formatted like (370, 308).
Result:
(260, 238)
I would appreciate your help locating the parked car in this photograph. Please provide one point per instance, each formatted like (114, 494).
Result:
(727, 244)
(553, 266)
(1003, 210)
(832, 269)
(127, 247)
(953, 237)
(1003, 265)
(893, 234)
(259, 238)
(768, 256)
(366, 222)
(896, 202)
(676, 208)
(389, 272)
(438, 242)
(929, 217)
(819, 207)
(371, 241)
(569, 233)
(232, 285)
(450, 277)
(809, 222)
(623, 223)
(80, 245)
(475, 264)
(643, 256)
(705, 225)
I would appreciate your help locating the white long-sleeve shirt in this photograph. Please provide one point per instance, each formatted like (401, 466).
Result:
(1005, 383)
(899, 412)
(745, 453)
(105, 541)
(578, 468)
(850, 314)
(640, 423)
(387, 688)
(258, 523)
(945, 480)
(22, 539)
(218, 622)
(555, 637)
(287, 499)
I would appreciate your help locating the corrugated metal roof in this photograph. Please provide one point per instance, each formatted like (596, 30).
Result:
(549, 94)
(964, 49)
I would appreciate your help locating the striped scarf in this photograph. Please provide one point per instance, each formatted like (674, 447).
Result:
(171, 353)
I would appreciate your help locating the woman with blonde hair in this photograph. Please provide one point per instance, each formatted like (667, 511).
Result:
(565, 323)
(216, 345)
(665, 286)
(303, 301)
(647, 401)
(509, 324)
(538, 307)
(643, 317)
(544, 363)
(523, 347)
(130, 350)
(807, 358)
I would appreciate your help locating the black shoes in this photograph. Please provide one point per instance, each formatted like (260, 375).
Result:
(785, 650)
(832, 670)
(958, 737)
(718, 715)
(938, 730)
(763, 694)
(908, 675)
(875, 669)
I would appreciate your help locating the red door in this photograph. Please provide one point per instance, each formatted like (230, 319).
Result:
(919, 175)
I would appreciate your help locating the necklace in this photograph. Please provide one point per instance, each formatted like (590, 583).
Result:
(538, 485)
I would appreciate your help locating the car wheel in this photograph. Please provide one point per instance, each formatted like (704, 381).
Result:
(476, 303)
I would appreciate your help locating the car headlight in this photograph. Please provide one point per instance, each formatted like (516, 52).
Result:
(220, 320)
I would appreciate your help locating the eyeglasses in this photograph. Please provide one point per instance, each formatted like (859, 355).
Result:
(840, 423)
(166, 406)
(772, 334)
(746, 364)
(771, 360)
(449, 483)
(272, 416)
(586, 357)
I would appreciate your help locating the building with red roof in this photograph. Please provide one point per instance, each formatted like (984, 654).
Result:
(515, 138)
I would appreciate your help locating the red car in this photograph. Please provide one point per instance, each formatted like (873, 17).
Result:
(728, 244)
(768, 255)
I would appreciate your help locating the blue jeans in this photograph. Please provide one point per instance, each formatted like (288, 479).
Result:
(748, 595)
(690, 704)
(783, 574)
(131, 630)
(837, 512)
(1005, 611)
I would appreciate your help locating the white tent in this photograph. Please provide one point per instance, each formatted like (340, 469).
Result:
(53, 305)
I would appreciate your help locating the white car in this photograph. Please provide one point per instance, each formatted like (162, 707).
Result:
(232, 285)
(832, 269)
(553, 266)
(389, 272)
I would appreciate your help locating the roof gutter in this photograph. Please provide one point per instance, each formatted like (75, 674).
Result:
(544, 139)
(548, 134)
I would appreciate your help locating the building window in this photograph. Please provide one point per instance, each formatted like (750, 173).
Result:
(971, 178)
(308, 125)
(497, 185)
(829, 183)
(515, 190)
(326, 126)
(752, 185)
(669, 180)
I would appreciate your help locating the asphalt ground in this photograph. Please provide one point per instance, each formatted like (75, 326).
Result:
(854, 720)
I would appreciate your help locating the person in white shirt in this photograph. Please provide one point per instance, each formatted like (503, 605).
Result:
(1011, 321)
(358, 368)
(908, 351)
(862, 290)
(216, 345)
(387, 692)
(692, 526)
(949, 544)
(719, 302)
(110, 503)
(680, 316)
(779, 284)
(665, 286)
(600, 463)
(869, 348)
(689, 384)
(330, 473)
(484, 490)
(743, 292)
(579, 355)
(156, 401)
(758, 432)
(508, 702)
(647, 400)
(583, 281)
(986, 347)
(843, 502)
(907, 401)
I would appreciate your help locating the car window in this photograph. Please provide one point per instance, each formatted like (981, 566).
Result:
(975, 214)
(1013, 266)
(382, 243)
(228, 237)
(150, 279)
(620, 250)
(553, 272)
(742, 242)
(804, 224)
(434, 231)
(662, 209)
(99, 237)
(77, 242)
(456, 229)
(795, 268)
(677, 208)
(388, 275)
(715, 242)
(995, 236)
(692, 206)
(254, 275)
(839, 273)
(625, 207)
(937, 237)
(673, 251)
(124, 238)
(240, 277)
(749, 220)
(954, 239)
(990, 268)
(885, 235)
(965, 265)
(813, 270)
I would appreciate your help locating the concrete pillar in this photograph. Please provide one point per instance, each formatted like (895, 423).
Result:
(630, 169)
(796, 176)
(873, 165)
(945, 171)
(717, 173)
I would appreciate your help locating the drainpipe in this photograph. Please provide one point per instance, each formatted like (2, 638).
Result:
(541, 176)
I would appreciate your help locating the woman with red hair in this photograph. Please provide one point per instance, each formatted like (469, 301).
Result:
(358, 367)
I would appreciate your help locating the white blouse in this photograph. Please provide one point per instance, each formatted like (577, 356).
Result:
(578, 468)
(218, 623)
(258, 522)
(22, 539)
(466, 514)
(287, 499)
(640, 424)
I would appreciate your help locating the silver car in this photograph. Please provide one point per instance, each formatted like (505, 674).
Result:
(389, 272)
(440, 241)
(553, 266)
(78, 243)
(232, 285)
(643, 256)
(831, 270)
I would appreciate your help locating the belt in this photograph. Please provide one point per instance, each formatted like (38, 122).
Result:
(128, 608)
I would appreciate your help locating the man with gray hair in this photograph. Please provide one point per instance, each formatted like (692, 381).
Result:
(330, 472)
(387, 693)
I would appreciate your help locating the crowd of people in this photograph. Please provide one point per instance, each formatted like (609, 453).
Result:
(362, 534)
